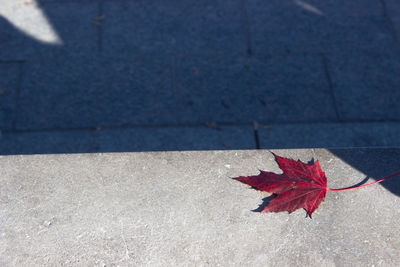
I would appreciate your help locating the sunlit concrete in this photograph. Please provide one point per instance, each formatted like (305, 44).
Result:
(183, 208)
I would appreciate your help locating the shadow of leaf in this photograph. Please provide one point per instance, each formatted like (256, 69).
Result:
(356, 185)
(265, 203)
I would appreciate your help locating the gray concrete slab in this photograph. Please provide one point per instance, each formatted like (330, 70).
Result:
(35, 29)
(51, 142)
(329, 135)
(8, 88)
(183, 208)
(392, 134)
(314, 26)
(268, 89)
(393, 12)
(366, 86)
(128, 140)
(63, 1)
(92, 92)
(178, 27)
(184, 138)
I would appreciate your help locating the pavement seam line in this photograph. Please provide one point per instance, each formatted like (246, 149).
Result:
(180, 126)
(100, 14)
(330, 85)
(256, 135)
(11, 61)
(246, 27)
(16, 97)
(174, 83)
(389, 21)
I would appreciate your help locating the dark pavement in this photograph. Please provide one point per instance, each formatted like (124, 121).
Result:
(193, 75)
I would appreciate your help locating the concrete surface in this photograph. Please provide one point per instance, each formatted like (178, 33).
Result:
(134, 66)
(72, 23)
(183, 208)
(210, 136)
(202, 28)
(8, 82)
(144, 92)
(312, 26)
(392, 8)
(373, 94)
(330, 135)
(121, 140)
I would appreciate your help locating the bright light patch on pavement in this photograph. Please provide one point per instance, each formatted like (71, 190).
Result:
(28, 17)
(308, 7)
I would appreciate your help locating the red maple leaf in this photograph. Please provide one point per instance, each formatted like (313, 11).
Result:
(300, 186)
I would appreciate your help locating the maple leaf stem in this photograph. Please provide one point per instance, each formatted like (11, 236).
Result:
(351, 188)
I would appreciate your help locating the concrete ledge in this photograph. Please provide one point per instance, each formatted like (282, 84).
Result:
(182, 208)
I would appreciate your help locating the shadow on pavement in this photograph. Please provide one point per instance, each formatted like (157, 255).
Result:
(376, 163)
(265, 203)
